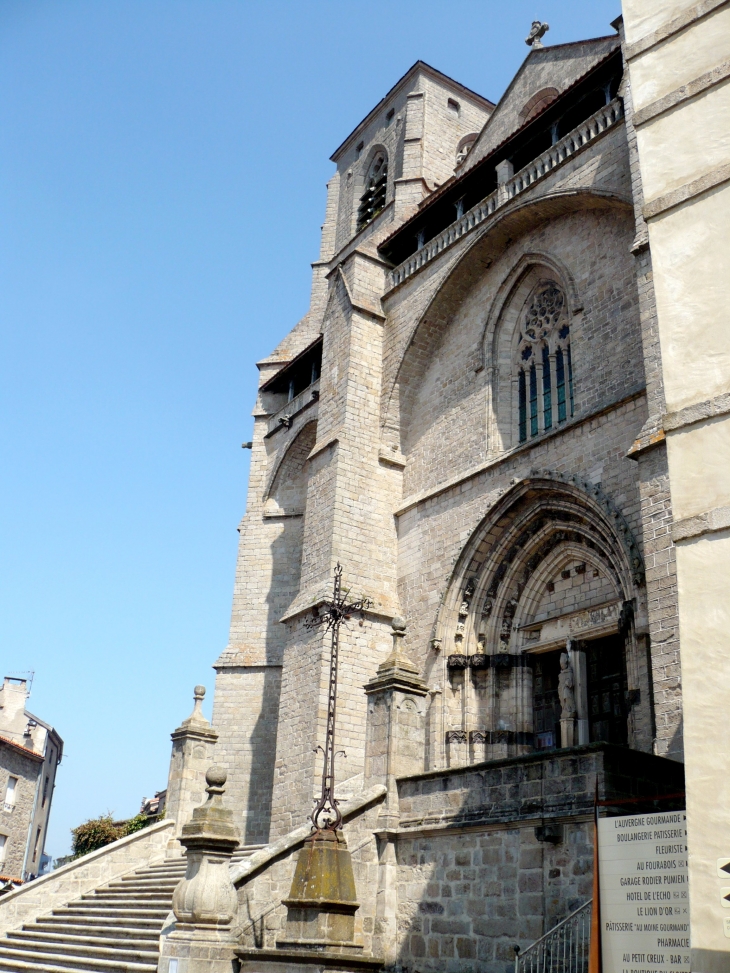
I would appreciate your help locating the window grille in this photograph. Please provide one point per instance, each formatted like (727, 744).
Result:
(544, 365)
(372, 200)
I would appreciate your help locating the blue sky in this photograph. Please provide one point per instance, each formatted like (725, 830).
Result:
(162, 184)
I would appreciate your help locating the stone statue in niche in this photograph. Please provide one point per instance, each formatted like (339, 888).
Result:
(566, 688)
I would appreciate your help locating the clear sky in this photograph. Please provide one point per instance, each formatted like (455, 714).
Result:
(162, 184)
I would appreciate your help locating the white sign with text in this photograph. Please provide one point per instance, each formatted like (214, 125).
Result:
(644, 893)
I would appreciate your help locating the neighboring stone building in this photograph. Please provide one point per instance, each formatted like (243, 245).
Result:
(469, 420)
(679, 62)
(30, 752)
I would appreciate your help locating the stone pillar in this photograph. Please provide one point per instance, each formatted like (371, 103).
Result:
(192, 750)
(205, 901)
(396, 745)
(505, 171)
(524, 723)
(577, 656)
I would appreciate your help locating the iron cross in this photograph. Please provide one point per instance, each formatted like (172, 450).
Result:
(326, 815)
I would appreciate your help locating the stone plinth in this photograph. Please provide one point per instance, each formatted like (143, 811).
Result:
(205, 901)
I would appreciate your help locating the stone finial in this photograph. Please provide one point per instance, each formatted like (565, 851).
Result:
(215, 778)
(197, 715)
(537, 32)
(397, 666)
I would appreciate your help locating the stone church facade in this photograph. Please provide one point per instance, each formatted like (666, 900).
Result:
(468, 420)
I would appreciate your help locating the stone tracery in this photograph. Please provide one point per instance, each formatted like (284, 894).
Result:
(543, 363)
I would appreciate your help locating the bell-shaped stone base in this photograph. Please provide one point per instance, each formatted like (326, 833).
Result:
(322, 902)
(320, 922)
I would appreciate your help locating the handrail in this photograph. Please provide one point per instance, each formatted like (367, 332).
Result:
(564, 149)
(563, 949)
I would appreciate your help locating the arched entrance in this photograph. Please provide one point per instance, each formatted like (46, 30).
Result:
(552, 571)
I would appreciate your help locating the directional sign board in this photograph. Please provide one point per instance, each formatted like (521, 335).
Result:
(644, 893)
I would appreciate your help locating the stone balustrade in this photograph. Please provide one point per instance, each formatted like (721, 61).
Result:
(589, 130)
(292, 408)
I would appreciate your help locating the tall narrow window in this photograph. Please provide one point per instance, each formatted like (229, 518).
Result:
(10, 792)
(533, 401)
(570, 379)
(545, 394)
(547, 398)
(560, 382)
(3, 848)
(523, 405)
(372, 200)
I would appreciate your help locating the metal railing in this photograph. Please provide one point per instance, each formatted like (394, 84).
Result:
(598, 123)
(564, 949)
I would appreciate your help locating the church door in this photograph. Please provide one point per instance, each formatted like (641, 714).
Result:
(607, 687)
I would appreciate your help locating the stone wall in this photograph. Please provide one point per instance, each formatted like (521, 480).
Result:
(474, 880)
(71, 881)
(15, 824)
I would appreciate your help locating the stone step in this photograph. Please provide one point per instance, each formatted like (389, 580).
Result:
(88, 931)
(157, 872)
(147, 883)
(126, 895)
(83, 909)
(81, 949)
(129, 922)
(120, 902)
(54, 962)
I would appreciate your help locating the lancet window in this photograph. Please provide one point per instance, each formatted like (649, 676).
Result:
(372, 200)
(543, 364)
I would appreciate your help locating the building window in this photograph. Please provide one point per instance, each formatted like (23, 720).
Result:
(372, 200)
(10, 793)
(36, 843)
(544, 365)
(3, 848)
(45, 791)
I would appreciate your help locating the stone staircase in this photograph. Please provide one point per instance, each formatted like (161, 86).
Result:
(115, 929)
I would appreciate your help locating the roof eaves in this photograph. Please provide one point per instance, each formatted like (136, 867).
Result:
(455, 180)
(293, 361)
(21, 749)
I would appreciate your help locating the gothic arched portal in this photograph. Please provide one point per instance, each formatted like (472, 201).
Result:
(552, 569)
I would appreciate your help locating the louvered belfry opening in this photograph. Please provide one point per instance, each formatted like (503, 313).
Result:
(372, 200)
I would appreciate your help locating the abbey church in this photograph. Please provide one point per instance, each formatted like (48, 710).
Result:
(481, 593)
(468, 420)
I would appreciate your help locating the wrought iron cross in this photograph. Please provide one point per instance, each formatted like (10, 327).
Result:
(326, 815)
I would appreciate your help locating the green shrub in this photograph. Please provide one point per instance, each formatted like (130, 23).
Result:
(94, 833)
(98, 832)
(136, 823)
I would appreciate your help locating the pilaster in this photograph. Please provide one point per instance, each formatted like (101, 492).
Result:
(192, 750)
(396, 746)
